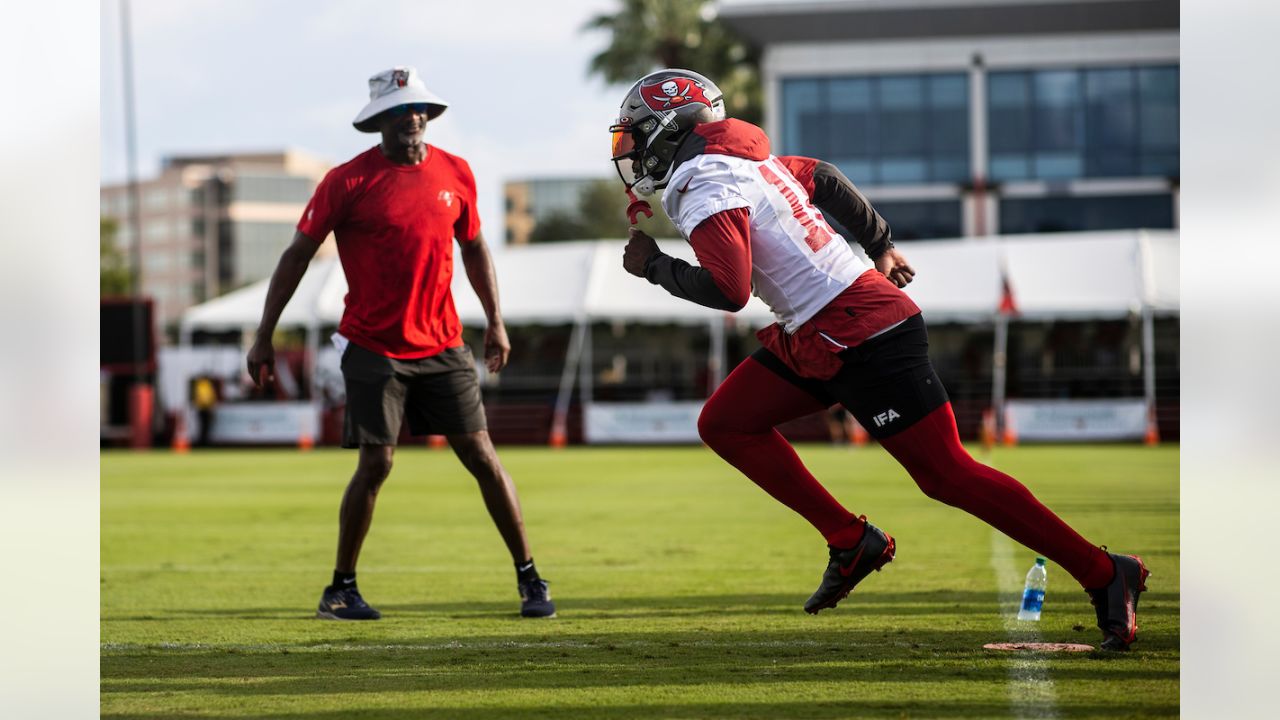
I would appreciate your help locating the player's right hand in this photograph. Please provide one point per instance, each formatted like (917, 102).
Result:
(640, 247)
(262, 362)
(895, 267)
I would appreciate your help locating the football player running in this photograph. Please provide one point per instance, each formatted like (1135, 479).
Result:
(845, 333)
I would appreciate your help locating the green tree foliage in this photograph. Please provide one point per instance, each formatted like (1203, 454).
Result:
(601, 215)
(648, 35)
(113, 267)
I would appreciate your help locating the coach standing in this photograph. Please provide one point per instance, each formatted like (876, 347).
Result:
(394, 211)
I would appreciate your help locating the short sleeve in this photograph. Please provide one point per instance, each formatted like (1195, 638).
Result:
(467, 227)
(326, 209)
(699, 189)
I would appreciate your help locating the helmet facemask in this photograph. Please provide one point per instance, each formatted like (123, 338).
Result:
(657, 115)
(643, 151)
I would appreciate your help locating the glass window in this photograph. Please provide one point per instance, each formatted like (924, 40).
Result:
(257, 248)
(852, 128)
(804, 128)
(881, 129)
(157, 260)
(1158, 120)
(1065, 124)
(1110, 123)
(1074, 214)
(1009, 125)
(272, 188)
(921, 219)
(156, 229)
(948, 126)
(1058, 125)
(902, 130)
(155, 198)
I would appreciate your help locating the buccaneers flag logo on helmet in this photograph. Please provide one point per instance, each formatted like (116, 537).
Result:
(673, 93)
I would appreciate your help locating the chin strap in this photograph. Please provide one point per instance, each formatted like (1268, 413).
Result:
(637, 207)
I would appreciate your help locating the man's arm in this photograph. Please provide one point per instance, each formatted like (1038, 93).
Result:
(284, 281)
(839, 199)
(479, 265)
(836, 196)
(721, 245)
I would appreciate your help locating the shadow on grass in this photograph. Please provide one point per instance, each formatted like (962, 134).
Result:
(940, 602)
(554, 660)
(941, 708)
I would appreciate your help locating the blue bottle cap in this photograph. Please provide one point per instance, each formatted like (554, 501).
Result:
(1039, 561)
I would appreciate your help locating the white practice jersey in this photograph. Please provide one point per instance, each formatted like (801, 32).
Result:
(798, 263)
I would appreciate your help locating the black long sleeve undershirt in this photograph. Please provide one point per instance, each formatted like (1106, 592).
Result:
(838, 198)
(687, 282)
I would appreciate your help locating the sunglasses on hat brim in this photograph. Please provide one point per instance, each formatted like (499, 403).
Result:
(415, 108)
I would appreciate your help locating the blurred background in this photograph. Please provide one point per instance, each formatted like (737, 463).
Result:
(1025, 153)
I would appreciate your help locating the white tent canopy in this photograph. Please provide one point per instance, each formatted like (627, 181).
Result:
(1075, 275)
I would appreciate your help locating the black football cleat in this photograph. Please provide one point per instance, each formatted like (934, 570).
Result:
(848, 567)
(535, 599)
(345, 604)
(1117, 603)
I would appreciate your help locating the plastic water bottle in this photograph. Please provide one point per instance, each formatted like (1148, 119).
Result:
(1033, 593)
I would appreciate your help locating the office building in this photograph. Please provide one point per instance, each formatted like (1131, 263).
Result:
(977, 117)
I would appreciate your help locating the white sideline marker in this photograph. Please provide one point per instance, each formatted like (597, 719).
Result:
(1031, 691)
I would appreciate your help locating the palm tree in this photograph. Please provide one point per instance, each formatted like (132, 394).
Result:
(651, 34)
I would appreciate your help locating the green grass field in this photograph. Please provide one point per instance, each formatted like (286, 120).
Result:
(679, 585)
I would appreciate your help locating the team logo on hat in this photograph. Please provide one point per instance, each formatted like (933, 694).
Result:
(673, 93)
(401, 77)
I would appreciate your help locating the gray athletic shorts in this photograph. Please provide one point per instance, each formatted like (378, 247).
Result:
(439, 394)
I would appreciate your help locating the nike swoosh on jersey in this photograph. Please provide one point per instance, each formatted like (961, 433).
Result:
(686, 186)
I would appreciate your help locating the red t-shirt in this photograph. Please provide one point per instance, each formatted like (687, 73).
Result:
(394, 225)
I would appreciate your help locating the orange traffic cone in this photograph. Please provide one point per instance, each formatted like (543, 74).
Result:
(559, 438)
(181, 443)
(1010, 436)
(859, 436)
(988, 431)
(1152, 436)
(305, 440)
(435, 442)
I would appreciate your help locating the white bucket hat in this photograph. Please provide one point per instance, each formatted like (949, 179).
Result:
(395, 87)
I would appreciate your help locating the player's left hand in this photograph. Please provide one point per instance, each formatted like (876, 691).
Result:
(640, 247)
(497, 348)
(895, 267)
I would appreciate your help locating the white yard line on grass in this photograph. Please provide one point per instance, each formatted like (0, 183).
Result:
(1031, 692)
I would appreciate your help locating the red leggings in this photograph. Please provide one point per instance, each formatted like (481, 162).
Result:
(738, 423)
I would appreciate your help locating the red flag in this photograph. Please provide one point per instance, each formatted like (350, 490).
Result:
(1008, 306)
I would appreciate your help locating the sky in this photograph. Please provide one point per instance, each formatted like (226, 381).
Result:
(256, 75)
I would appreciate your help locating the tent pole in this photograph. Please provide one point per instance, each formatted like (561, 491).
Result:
(716, 356)
(185, 333)
(1149, 367)
(310, 358)
(999, 366)
(560, 419)
(585, 367)
(1148, 336)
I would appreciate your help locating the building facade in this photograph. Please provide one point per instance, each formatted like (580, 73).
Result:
(555, 204)
(965, 118)
(213, 223)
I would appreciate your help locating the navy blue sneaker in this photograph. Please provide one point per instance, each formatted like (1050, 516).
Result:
(1117, 604)
(345, 604)
(535, 600)
(848, 567)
